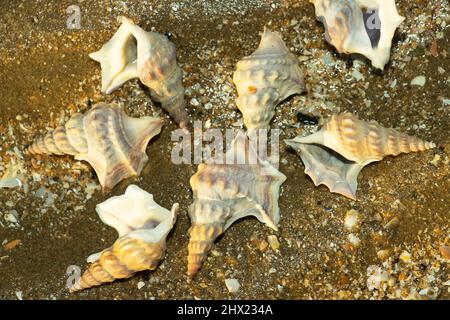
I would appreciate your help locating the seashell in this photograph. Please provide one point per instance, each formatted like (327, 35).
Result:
(110, 141)
(266, 78)
(224, 193)
(134, 53)
(142, 225)
(360, 26)
(118, 59)
(336, 154)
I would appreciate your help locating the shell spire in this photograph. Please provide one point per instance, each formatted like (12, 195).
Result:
(224, 193)
(360, 26)
(336, 154)
(111, 142)
(266, 78)
(142, 226)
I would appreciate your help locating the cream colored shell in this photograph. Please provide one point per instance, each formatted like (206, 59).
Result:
(360, 26)
(142, 225)
(336, 154)
(224, 193)
(110, 141)
(266, 78)
(135, 53)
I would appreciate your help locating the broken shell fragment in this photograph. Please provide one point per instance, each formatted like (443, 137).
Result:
(224, 193)
(266, 78)
(360, 26)
(142, 226)
(336, 154)
(110, 141)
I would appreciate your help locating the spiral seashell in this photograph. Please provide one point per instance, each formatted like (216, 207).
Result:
(142, 225)
(224, 193)
(266, 78)
(149, 56)
(360, 26)
(336, 154)
(110, 141)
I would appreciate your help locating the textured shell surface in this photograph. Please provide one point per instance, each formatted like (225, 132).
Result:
(336, 153)
(158, 69)
(360, 26)
(118, 59)
(265, 78)
(111, 142)
(224, 193)
(142, 225)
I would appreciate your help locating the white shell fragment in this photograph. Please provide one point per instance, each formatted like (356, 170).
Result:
(142, 226)
(111, 142)
(336, 154)
(360, 26)
(233, 285)
(266, 78)
(224, 193)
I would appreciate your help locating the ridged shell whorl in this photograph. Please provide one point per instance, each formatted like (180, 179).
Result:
(224, 193)
(110, 141)
(360, 26)
(355, 143)
(266, 78)
(142, 225)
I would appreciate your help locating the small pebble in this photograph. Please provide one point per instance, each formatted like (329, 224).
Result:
(19, 295)
(232, 285)
(419, 81)
(140, 285)
(354, 240)
(273, 241)
(445, 252)
(383, 254)
(195, 102)
(352, 218)
(405, 257)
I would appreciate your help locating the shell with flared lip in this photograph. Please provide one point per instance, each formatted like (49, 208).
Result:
(110, 141)
(135, 53)
(142, 226)
(224, 193)
(336, 154)
(266, 78)
(360, 26)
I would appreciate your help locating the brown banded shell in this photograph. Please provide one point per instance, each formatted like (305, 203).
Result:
(224, 193)
(266, 78)
(142, 225)
(110, 141)
(158, 69)
(336, 154)
(360, 26)
(135, 53)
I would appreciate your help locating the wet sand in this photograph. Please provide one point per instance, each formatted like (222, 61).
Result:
(403, 201)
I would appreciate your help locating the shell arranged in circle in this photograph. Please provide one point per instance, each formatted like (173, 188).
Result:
(142, 226)
(266, 78)
(336, 154)
(360, 26)
(135, 53)
(224, 193)
(111, 142)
